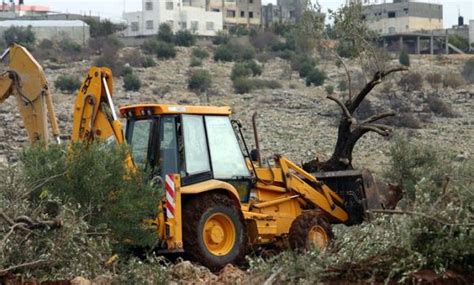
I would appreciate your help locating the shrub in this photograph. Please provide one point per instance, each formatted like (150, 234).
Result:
(126, 70)
(165, 50)
(221, 38)
(67, 83)
(434, 79)
(200, 53)
(240, 70)
(468, 70)
(184, 38)
(254, 67)
(20, 35)
(69, 46)
(264, 39)
(305, 69)
(329, 89)
(150, 46)
(243, 85)
(342, 85)
(411, 81)
(453, 80)
(131, 82)
(404, 58)
(346, 49)
(316, 77)
(195, 62)
(148, 62)
(165, 33)
(200, 81)
(110, 60)
(223, 53)
(103, 28)
(300, 60)
(459, 42)
(439, 107)
(104, 45)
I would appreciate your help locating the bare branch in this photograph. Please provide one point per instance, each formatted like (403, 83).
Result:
(346, 68)
(23, 265)
(400, 212)
(370, 128)
(378, 117)
(343, 107)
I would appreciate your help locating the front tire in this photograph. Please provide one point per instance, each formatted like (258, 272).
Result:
(310, 231)
(213, 230)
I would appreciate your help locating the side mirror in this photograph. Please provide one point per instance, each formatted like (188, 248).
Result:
(254, 154)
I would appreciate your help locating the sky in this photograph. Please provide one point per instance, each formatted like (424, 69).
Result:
(113, 9)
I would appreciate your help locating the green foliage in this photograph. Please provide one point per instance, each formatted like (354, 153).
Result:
(165, 50)
(109, 59)
(221, 38)
(20, 35)
(67, 83)
(316, 77)
(165, 33)
(305, 68)
(200, 53)
(131, 82)
(103, 28)
(404, 58)
(69, 46)
(95, 179)
(468, 70)
(245, 85)
(459, 42)
(195, 62)
(435, 233)
(152, 270)
(184, 38)
(126, 71)
(329, 89)
(149, 46)
(239, 70)
(200, 80)
(254, 67)
(264, 39)
(300, 62)
(342, 85)
(148, 62)
(234, 51)
(223, 53)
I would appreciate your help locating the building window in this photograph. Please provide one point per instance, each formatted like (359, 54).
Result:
(210, 26)
(149, 25)
(149, 6)
(250, 14)
(251, 1)
(169, 5)
(230, 13)
(134, 27)
(391, 14)
(216, 10)
(194, 26)
(183, 25)
(242, 14)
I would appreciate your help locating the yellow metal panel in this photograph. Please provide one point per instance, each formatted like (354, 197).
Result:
(144, 110)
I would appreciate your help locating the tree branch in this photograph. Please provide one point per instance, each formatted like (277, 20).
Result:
(372, 128)
(347, 114)
(400, 212)
(378, 117)
(23, 265)
(378, 76)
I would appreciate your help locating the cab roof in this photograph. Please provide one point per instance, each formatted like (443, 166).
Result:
(145, 110)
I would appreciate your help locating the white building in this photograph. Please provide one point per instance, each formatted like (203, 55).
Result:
(471, 33)
(178, 14)
(77, 31)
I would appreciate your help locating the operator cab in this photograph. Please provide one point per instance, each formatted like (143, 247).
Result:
(198, 143)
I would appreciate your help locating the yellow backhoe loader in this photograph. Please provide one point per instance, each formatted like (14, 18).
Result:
(220, 200)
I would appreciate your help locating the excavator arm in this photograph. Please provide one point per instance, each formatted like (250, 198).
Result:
(25, 80)
(94, 113)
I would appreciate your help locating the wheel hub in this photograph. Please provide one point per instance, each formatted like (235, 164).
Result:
(317, 238)
(219, 234)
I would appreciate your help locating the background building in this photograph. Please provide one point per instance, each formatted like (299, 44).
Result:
(189, 15)
(238, 12)
(403, 16)
(13, 10)
(77, 31)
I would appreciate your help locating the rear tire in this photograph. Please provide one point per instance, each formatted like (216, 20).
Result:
(213, 230)
(309, 231)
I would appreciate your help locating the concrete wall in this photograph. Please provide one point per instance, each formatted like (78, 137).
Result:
(404, 25)
(239, 12)
(174, 13)
(404, 17)
(471, 32)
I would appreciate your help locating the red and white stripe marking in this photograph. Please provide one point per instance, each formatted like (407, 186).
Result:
(170, 196)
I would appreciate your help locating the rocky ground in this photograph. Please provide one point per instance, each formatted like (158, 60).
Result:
(296, 120)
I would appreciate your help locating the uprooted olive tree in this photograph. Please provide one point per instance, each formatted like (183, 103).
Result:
(354, 43)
